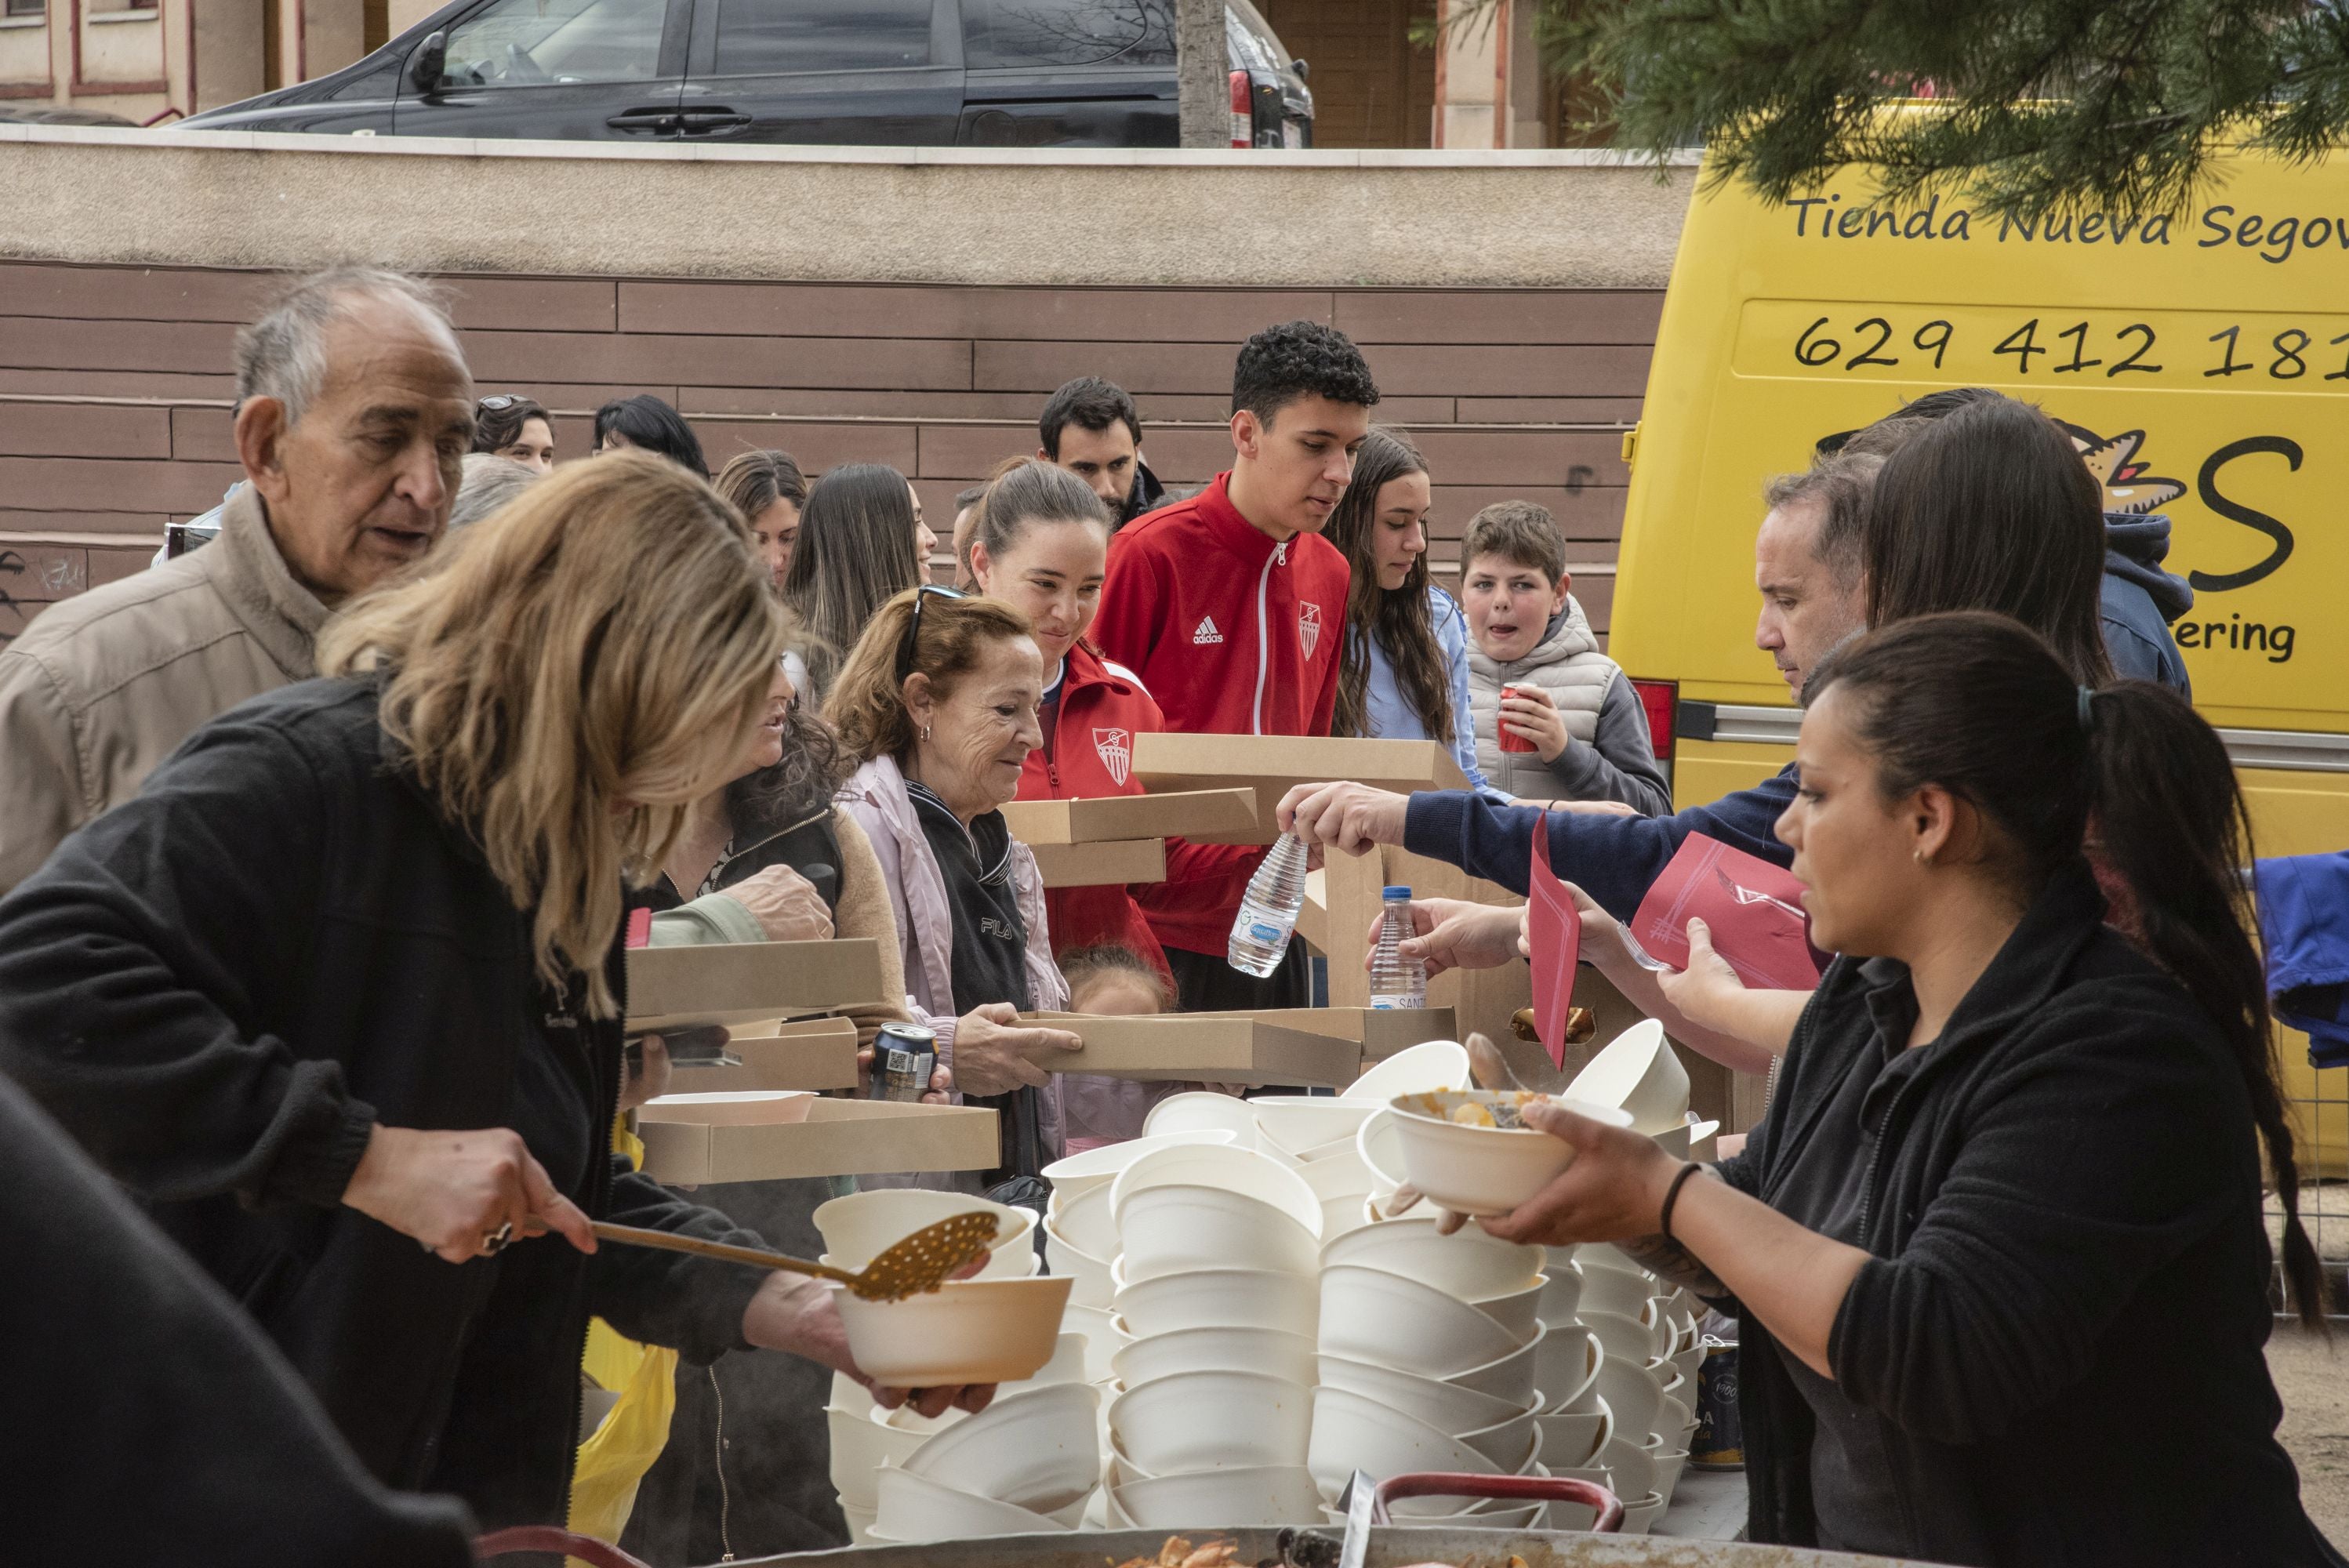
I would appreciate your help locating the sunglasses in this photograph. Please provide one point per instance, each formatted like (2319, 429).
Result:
(498, 402)
(914, 626)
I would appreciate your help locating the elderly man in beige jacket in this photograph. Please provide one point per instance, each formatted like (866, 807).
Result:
(354, 411)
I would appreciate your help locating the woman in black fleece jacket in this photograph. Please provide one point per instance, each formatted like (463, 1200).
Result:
(1996, 1248)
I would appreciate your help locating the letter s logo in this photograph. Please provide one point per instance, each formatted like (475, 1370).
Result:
(2206, 485)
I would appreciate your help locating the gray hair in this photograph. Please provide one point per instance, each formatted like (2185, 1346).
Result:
(283, 355)
(489, 481)
(1838, 484)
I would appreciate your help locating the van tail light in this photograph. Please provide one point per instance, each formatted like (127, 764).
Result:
(1662, 699)
(1243, 110)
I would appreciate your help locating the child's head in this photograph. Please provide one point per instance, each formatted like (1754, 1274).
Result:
(1513, 577)
(1114, 981)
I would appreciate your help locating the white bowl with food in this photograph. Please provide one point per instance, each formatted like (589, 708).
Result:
(1465, 1149)
(1417, 1069)
(1209, 1420)
(1468, 1265)
(1219, 1298)
(915, 1509)
(1241, 1171)
(965, 1331)
(1509, 1376)
(857, 1228)
(1039, 1449)
(1447, 1407)
(1167, 1230)
(1099, 1167)
(1263, 1352)
(1236, 1496)
(1638, 1073)
(1368, 1315)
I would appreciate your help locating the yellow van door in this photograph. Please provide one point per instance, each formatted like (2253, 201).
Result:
(2201, 361)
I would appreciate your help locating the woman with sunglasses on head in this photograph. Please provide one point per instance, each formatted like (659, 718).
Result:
(340, 994)
(1039, 540)
(1996, 1246)
(508, 426)
(937, 704)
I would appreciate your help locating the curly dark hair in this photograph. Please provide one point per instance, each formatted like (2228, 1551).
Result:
(1299, 359)
(802, 785)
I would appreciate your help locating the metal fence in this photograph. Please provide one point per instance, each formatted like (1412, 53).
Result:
(2320, 1114)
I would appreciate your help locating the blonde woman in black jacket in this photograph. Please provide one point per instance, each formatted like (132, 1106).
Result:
(1997, 1247)
(339, 993)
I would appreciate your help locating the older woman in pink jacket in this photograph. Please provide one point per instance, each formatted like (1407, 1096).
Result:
(937, 701)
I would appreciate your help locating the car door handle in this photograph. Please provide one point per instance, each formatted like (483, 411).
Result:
(657, 120)
(713, 119)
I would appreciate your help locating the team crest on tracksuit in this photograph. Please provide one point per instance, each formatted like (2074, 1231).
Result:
(1116, 749)
(1309, 627)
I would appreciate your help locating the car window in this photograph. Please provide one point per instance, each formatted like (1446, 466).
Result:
(1251, 38)
(533, 43)
(999, 34)
(759, 38)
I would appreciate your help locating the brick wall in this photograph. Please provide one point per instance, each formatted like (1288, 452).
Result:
(114, 387)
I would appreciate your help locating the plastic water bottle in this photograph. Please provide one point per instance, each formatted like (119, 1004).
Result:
(1269, 908)
(1396, 981)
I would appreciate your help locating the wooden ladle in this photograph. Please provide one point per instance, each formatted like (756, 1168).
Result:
(921, 1262)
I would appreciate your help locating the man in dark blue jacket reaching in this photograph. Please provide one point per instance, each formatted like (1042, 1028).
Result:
(1806, 564)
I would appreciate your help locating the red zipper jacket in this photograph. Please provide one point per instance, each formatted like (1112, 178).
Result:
(1088, 753)
(1232, 635)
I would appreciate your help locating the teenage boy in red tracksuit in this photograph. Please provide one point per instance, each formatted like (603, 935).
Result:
(1231, 608)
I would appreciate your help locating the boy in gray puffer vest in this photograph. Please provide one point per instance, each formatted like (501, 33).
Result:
(1583, 730)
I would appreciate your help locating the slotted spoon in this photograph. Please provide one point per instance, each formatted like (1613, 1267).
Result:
(921, 1262)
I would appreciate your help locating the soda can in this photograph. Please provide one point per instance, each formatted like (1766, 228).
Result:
(904, 1056)
(1719, 1443)
(1509, 742)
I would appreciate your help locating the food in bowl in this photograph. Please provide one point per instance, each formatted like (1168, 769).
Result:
(1469, 1151)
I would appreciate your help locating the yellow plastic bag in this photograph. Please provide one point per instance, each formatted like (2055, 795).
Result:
(614, 1457)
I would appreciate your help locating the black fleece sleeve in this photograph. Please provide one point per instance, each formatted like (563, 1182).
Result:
(149, 1421)
(2120, 1136)
(127, 960)
(693, 1305)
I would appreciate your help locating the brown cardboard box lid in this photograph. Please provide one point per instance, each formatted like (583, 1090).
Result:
(1380, 1031)
(838, 1138)
(1198, 814)
(814, 1054)
(747, 982)
(1230, 1047)
(1110, 862)
(1273, 764)
(728, 1108)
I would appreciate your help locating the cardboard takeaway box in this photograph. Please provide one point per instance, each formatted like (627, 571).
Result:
(750, 982)
(764, 1141)
(1270, 765)
(1110, 861)
(1213, 1047)
(1203, 815)
(1379, 1031)
(811, 1053)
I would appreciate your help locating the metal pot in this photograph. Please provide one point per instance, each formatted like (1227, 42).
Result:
(1391, 1546)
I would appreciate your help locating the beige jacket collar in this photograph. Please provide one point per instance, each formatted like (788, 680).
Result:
(257, 586)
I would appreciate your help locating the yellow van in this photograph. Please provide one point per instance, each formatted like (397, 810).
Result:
(2202, 362)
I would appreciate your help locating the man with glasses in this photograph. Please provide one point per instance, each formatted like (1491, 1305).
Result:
(353, 412)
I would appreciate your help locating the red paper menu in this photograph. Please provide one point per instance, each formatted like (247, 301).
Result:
(1554, 931)
(1752, 908)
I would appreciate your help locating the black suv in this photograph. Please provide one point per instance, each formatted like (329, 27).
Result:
(968, 73)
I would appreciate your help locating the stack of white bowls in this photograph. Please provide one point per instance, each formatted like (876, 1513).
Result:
(1080, 1235)
(1428, 1346)
(1216, 1247)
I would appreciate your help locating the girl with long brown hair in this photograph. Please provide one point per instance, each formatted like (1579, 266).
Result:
(1405, 675)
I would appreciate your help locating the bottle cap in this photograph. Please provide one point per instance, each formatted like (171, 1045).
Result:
(1397, 892)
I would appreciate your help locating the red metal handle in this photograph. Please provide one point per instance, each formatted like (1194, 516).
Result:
(547, 1538)
(1524, 1488)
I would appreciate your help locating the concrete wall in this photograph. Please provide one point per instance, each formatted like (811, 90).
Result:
(1390, 219)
